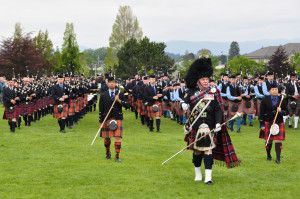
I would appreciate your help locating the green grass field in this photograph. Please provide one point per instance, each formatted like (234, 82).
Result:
(40, 162)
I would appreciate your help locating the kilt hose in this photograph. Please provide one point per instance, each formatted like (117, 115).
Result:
(231, 113)
(265, 134)
(293, 111)
(151, 113)
(64, 113)
(179, 110)
(225, 102)
(246, 110)
(72, 106)
(39, 104)
(107, 133)
(143, 110)
(258, 102)
(173, 107)
(10, 116)
(85, 100)
(139, 106)
(51, 100)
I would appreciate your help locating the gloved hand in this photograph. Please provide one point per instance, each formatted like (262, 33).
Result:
(218, 128)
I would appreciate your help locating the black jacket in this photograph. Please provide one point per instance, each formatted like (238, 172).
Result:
(105, 104)
(149, 93)
(9, 95)
(290, 90)
(57, 93)
(268, 112)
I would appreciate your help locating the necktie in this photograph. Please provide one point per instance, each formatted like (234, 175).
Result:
(112, 96)
(274, 101)
(154, 89)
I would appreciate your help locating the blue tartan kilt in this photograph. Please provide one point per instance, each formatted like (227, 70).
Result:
(231, 113)
(246, 110)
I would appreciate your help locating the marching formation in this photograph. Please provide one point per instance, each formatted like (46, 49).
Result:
(64, 97)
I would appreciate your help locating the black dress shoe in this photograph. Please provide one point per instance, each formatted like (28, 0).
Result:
(158, 131)
(290, 126)
(108, 156)
(278, 162)
(151, 129)
(269, 158)
(63, 131)
(250, 124)
(209, 183)
(70, 127)
(238, 131)
(117, 160)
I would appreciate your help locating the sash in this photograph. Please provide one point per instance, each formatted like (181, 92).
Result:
(196, 114)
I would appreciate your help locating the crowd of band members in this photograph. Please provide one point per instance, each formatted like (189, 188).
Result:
(32, 98)
(239, 94)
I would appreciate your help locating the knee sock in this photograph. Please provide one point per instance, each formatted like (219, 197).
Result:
(268, 149)
(13, 126)
(136, 115)
(244, 119)
(117, 148)
(30, 118)
(184, 119)
(168, 114)
(19, 122)
(290, 120)
(25, 119)
(143, 119)
(197, 159)
(278, 147)
(35, 116)
(250, 118)
(238, 123)
(59, 123)
(39, 114)
(157, 124)
(63, 123)
(285, 118)
(296, 122)
(151, 123)
(107, 147)
(9, 123)
(94, 107)
(181, 119)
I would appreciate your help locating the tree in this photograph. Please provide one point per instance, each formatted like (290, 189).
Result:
(43, 42)
(136, 56)
(126, 27)
(295, 60)
(245, 66)
(279, 64)
(111, 60)
(234, 50)
(18, 34)
(70, 54)
(18, 53)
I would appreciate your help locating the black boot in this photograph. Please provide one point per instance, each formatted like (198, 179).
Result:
(268, 149)
(39, 115)
(278, 147)
(30, 118)
(13, 126)
(143, 119)
(19, 122)
(59, 123)
(136, 115)
(9, 123)
(35, 116)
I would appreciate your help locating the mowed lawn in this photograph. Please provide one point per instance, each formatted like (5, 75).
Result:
(40, 162)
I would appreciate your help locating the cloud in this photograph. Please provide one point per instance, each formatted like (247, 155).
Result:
(163, 20)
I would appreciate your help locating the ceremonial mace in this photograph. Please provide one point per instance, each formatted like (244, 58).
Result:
(235, 116)
(274, 132)
(105, 118)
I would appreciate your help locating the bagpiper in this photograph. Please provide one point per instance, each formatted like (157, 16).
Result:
(292, 93)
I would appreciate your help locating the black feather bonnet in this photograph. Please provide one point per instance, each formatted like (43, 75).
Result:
(199, 68)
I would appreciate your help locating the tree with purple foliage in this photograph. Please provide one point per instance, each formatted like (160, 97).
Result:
(279, 64)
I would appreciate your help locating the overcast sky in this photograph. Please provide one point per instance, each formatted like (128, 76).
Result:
(160, 20)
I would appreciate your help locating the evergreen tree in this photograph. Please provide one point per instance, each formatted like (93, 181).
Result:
(234, 50)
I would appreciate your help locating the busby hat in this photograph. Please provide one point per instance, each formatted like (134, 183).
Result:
(199, 68)
(272, 86)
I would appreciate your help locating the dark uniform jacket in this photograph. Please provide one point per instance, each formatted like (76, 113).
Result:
(9, 95)
(105, 104)
(290, 90)
(149, 93)
(268, 111)
(57, 92)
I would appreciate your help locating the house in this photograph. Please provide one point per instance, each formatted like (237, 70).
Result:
(264, 54)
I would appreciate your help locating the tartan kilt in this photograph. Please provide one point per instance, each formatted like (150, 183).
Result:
(134, 104)
(258, 102)
(223, 102)
(188, 113)
(246, 110)
(173, 106)
(85, 99)
(164, 106)
(23, 110)
(152, 114)
(44, 102)
(265, 134)
(139, 105)
(64, 113)
(51, 100)
(107, 133)
(190, 138)
(293, 111)
(179, 110)
(81, 102)
(77, 109)
(230, 112)
(39, 103)
(143, 110)
(9, 116)
(72, 106)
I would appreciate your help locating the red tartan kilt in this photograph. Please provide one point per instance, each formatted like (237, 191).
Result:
(179, 111)
(192, 136)
(80, 103)
(51, 100)
(39, 103)
(265, 134)
(143, 110)
(230, 112)
(107, 133)
(86, 102)
(26, 111)
(134, 104)
(72, 107)
(246, 110)
(9, 116)
(258, 102)
(64, 113)
(154, 114)
(139, 105)
(164, 106)
(173, 106)
(77, 109)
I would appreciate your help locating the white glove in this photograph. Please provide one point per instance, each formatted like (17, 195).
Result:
(184, 106)
(218, 128)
